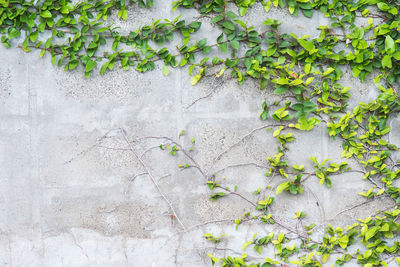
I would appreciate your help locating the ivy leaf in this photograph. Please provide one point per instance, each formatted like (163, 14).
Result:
(195, 79)
(150, 3)
(385, 7)
(263, 83)
(195, 25)
(371, 232)
(206, 49)
(245, 245)
(231, 15)
(307, 68)
(124, 14)
(33, 36)
(280, 90)
(165, 70)
(281, 187)
(13, 33)
(73, 64)
(223, 47)
(228, 25)
(264, 113)
(387, 61)
(217, 19)
(389, 45)
(90, 64)
(309, 46)
(217, 195)
(103, 68)
(45, 14)
(325, 257)
(5, 41)
(115, 44)
(258, 249)
(308, 12)
(235, 44)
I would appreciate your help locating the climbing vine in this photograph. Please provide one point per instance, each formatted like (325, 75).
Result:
(363, 35)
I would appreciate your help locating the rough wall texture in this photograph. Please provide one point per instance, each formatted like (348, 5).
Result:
(73, 193)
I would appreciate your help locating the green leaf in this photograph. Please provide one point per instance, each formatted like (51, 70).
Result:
(281, 81)
(387, 61)
(281, 187)
(124, 14)
(371, 232)
(206, 49)
(231, 15)
(235, 44)
(73, 64)
(307, 68)
(242, 10)
(281, 90)
(385, 7)
(45, 14)
(150, 3)
(33, 37)
(306, 44)
(389, 45)
(328, 71)
(53, 59)
(308, 12)
(223, 47)
(183, 62)
(5, 41)
(165, 70)
(258, 249)
(13, 33)
(245, 245)
(103, 68)
(277, 131)
(195, 79)
(325, 257)
(264, 113)
(271, 51)
(229, 25)
(195, 25)
(115, 44)
(263, 83)
(90, 64)
(217, 19)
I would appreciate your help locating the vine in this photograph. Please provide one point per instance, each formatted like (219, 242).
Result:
(306, 71)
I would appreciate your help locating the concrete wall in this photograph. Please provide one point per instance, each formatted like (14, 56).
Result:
(71, 193)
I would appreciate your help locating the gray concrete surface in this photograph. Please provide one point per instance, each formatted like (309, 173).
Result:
(71, 190)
